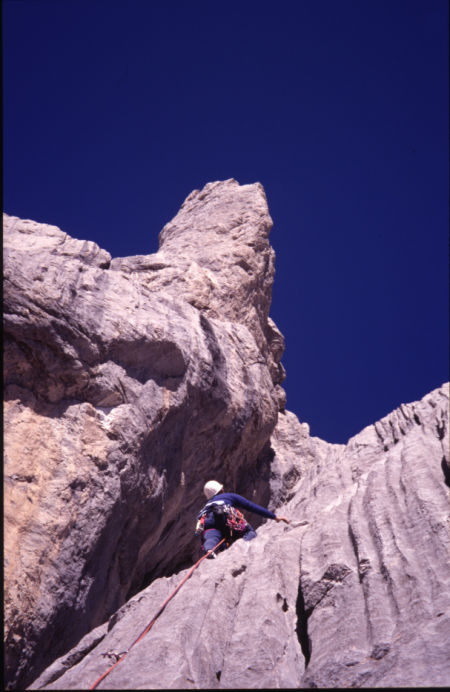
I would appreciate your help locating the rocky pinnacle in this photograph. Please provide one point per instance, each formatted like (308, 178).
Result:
(131, 381)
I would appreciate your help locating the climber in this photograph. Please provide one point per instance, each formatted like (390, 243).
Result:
(220, 517)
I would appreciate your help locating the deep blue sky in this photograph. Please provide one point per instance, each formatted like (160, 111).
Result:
(115, 110)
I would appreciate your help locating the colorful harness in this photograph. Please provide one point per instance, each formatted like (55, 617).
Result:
(232, 519)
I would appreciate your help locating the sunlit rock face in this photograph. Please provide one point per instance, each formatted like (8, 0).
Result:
(215, 255)
(128, 382)
(374, 583)
(131, 381)
(353, 593)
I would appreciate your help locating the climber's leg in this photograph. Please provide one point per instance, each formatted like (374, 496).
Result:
(211, 537)
(249, 533)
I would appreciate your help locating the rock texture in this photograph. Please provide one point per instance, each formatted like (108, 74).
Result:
(128, 383)
(374, 584)
(354, 593)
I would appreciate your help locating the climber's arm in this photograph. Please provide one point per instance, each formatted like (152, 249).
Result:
(243, 503)
(286, 521)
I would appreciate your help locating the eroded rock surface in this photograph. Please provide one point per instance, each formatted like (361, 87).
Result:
(127, 383)
(131, 381)
(374, 582)
(353, 593)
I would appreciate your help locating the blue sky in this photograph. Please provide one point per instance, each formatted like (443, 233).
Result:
(115, 110)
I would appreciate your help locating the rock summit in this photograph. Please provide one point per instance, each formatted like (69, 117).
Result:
(131, 381)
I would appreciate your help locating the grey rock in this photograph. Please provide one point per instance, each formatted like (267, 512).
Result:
(127, 383)
(230, 625)
(374, 579)
(353, 593)
(131, 381)
(215, 254)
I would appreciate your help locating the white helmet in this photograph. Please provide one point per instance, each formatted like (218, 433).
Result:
(211, 488)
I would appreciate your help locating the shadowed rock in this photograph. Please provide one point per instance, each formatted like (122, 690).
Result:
(122, 394)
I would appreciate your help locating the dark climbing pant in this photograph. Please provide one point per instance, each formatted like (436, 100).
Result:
(212, 535)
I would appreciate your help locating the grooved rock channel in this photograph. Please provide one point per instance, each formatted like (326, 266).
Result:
(131, 381)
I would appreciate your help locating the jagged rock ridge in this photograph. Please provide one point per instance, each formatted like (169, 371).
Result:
(128, 383)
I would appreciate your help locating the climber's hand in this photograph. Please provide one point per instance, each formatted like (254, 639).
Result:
(278, 519)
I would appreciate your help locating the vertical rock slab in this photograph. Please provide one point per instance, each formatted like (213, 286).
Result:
(121, 396)
(374, 591)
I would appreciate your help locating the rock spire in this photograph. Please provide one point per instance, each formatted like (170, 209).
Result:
(128, 383)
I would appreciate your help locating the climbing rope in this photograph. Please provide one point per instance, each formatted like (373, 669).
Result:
(153, 620)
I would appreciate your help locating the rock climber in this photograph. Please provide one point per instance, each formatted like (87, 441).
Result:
(220, 518)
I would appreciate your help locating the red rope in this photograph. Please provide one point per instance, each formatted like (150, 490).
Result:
(152, 622)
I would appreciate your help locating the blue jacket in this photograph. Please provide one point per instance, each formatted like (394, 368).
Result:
(241, 502)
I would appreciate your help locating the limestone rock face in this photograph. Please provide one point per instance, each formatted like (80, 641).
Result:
(215, 255)
(374, 584)
(353, 593)
(131, 381)
(128, 382)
